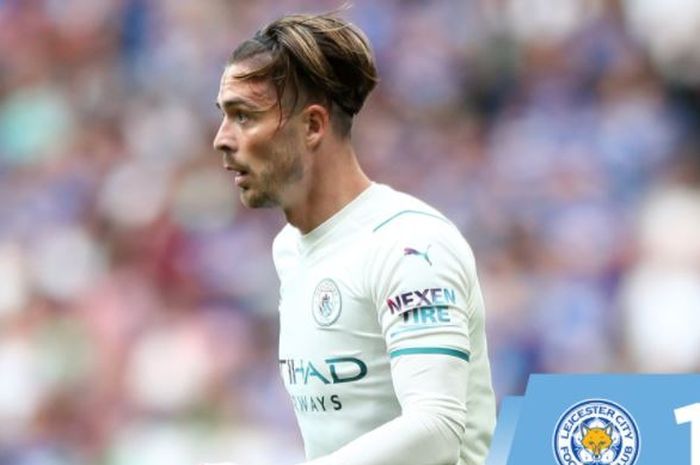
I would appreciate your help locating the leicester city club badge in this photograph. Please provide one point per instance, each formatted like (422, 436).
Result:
(326, 302)
(596, 432)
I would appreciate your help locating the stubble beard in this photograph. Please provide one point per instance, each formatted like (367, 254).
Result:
(273, 181)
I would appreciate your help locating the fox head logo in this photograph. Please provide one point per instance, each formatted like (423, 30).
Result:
(596, 432)
(596, 440)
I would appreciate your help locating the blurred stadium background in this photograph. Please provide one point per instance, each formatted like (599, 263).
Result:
(138, 300)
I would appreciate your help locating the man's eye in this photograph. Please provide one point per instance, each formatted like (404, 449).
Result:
(240, 117)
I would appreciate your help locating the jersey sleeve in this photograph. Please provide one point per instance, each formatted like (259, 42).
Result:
(429, 431)
(422, 280)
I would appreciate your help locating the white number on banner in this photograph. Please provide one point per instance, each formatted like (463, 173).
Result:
(691, 414)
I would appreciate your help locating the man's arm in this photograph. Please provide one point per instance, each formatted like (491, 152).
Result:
(432, 391)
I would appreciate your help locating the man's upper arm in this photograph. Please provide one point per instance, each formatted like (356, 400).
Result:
(421, 278)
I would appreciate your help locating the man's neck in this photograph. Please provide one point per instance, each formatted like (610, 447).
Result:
(333, 183)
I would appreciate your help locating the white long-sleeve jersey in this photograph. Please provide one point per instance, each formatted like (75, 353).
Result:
(382, 342)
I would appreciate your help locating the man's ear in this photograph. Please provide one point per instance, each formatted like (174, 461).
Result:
(316, 124)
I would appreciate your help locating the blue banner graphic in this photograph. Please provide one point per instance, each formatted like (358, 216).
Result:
(601, 420)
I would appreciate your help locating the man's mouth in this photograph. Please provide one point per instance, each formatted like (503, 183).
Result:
(241, 176)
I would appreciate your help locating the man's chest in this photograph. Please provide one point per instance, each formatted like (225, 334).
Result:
(325, 308)
(332, 354)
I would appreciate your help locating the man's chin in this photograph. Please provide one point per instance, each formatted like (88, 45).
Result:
(251, 199)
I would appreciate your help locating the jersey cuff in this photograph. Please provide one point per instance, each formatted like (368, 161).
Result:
(430, 350)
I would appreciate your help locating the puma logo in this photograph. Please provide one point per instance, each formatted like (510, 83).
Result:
(411, 251)
(597, 440)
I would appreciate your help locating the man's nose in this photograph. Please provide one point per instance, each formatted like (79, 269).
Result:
(226, 144)
(223, 141)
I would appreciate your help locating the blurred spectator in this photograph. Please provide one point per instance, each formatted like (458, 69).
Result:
(661, 293)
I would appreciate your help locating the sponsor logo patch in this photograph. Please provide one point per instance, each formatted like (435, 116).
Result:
(418, 253)
(421, 298)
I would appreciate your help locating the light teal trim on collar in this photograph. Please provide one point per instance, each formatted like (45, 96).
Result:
(418, 212)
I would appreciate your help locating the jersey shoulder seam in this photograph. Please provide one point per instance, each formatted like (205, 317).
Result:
(405, 212)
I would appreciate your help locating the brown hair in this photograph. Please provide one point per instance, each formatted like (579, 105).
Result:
(318, 58)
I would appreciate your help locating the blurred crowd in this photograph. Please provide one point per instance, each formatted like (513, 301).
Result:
(138, 299)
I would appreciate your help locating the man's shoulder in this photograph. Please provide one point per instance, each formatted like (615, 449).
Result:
(410, 225)
(405, 213)
(416, 243)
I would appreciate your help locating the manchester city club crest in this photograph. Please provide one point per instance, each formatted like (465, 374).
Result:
(326, 303)
(596, 432)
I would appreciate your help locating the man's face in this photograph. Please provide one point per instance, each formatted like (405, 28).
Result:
(265, 157)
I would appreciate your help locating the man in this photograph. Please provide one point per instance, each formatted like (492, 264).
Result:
(382, 345)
